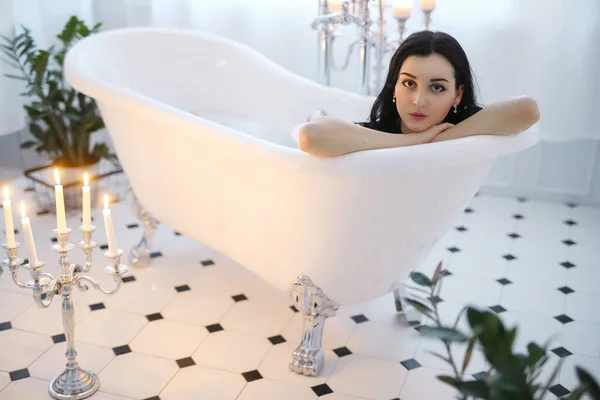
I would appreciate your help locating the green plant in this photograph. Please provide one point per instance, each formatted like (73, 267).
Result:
(512, 376)
(61, 119)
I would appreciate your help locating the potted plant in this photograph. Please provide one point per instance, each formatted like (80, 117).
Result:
(61, 119)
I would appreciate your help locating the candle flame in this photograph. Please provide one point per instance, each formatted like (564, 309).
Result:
(57, 176)
(105, 200)
(6, 193)
(86, 179)
(23, 209)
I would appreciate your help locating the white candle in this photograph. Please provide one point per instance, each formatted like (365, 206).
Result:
(8, 220)
(28, 237)
(402, 8)
(108, 227)
(61, 220)
(87, 215)
(335, 5)
(427, 5)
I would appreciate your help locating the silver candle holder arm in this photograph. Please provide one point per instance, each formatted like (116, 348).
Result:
(73, 383)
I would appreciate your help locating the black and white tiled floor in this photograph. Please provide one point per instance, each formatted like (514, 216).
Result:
(195, 325)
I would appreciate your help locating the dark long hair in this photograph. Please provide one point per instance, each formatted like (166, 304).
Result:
(384, 115)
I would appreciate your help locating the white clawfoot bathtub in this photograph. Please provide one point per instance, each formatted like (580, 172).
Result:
(234, 179)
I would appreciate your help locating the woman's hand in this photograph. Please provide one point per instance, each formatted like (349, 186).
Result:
(429, 134)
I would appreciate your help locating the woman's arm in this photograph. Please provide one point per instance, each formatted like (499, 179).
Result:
(503, 117)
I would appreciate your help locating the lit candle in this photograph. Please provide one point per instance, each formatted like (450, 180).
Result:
(28, 236)
(8, 220)
(335, 5)
(61, 220)
(402, 8)
(87, 215)
(108, 227)
(427, 5)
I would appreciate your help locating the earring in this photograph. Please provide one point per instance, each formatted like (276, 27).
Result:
(394, 97)
(455, 109)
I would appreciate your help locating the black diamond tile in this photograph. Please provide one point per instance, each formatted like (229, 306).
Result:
(154, 317)
(185, 362)
(177, 233)
(565, 319)
(359, 318)
(26, 261)
(559, 390)
(104, 247)
(461, 229)
(294, 309)
(566, 290)
(153, 398)
(509, 257)
(445, 272)
(480, 375)
(498, 309)
(156, 254)
(453, 249)
(182, 288)
(561, 352)
(571, 205)
(410, 364)
(569, 242)
(214, 328)
(521, 199)
(252, 376)
(567, 264)
(504, 281)
(121, 350)
(239, 297)
(59, 338)
(570, 222)
(469, 210)
(29, 189)
(54, 240)
(20, 374)
(132, 226)
(206, 263)
(130, 278)
(435, 299)
(16, 231)
(322, 390)
(277, 339)
(42, 212)
(4, 326)
(518, 216)
(342, 351)
(414, 323)
(97, 306)
(514, 235)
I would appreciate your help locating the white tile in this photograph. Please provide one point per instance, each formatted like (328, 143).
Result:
(198, 307)
(477, 362)
(477, 264)
(386, 341)
(586, 251)
(30, 389)
(583, 307)
(336, 331)
(533, 300)
(141, 298)
(100, 395)
(248, 316)
(168, 339)
(52, 363)
(268, 389)
(585, 278)
(586, 216)
(110, 328)
(225, 278)
(4, 379)
(471, 290)
(13, 304)
(548, 249)
(275, 366)
(367, 377)
(533, 328)
(339, 396)
(568, 374)
(423, 384)
(582, 338)
(232, 351)
(19, 348)
(537, 273)
(382, 309)
(198, 382)
(47, 320)
(136, 375)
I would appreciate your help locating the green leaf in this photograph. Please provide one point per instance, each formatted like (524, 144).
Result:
(420, 279)
(468, 353)
(450, 380)
(437, 273)
(420, 307)
(443, 333)
(588, 381)
(477, 389)
(28, 144)
(535, 354)
(22, 78)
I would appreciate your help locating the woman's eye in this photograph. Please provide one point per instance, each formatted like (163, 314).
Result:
(408, 84)
(438, 88)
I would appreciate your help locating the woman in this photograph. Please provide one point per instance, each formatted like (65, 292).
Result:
(428, 96)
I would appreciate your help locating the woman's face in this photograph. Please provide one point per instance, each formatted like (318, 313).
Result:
(425, 92)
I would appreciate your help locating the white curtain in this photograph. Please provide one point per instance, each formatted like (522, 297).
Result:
(547, 49)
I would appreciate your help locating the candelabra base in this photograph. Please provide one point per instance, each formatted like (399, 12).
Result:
(74, 384)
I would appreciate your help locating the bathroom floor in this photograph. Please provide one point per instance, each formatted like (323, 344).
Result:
(195, 325)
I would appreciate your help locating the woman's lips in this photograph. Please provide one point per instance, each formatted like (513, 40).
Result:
(418, 116)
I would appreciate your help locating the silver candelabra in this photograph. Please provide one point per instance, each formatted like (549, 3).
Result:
(358, 12)
(74, 383)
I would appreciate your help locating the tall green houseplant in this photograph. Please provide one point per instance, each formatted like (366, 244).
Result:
(61, 119)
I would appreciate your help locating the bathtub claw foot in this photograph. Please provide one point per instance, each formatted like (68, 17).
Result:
(140, 254)
(308, 358)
